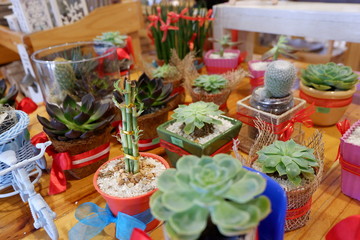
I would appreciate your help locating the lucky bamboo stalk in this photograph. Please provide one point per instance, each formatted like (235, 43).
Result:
(129, 130)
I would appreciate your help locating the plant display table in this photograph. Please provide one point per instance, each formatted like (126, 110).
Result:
(313, 20)
(329, 204)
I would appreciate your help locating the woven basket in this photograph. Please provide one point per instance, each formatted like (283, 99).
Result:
(17, 139)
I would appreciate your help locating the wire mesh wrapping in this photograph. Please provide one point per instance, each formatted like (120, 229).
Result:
(299, 198)
(15, 136)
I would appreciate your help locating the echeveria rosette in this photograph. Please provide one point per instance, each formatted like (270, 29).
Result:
(113, 37)
(328, 77)
(73, 120)
(209, 187)
(212, 84)
(166, 71)
(195, 115)
(288, 159)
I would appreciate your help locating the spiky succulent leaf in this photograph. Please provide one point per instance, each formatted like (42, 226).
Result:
(64, 74)
(280, 48)
(330, 76)
(211, 83)
(195, 114)
(76, 120)
(288, 159)
(209, 186)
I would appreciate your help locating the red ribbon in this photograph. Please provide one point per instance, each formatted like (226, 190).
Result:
(348, 228)
(27, 105)
(64, 161)
(181, 152)
(202, 20)
(286, 128)
(191, 41)
(178, 90)
(342, 126)
(298, 212)
(165, 27)
(147, 144)
(349, 167)
(327, 103)
(139, 234)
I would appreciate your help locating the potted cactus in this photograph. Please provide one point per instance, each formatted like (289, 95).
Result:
(124, 49)
(154, 98)
(197, 129)
(298, 170)
(226, 210)
(273, 103)
(128, 181)
(224, 60)
(75, 69)
(331, 88)
(76, 128)
(257, 68)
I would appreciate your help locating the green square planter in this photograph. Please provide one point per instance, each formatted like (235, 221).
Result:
(196, 148)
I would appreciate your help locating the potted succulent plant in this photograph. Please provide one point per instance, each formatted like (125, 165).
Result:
(128, 181)
(154, 98)
(330, 87)
(350, 154)
(124, 49)
(210, 198)
(224, 60)
(78, 129)
(298, 170)
(197, 129)
(171, 74)
(257, 68)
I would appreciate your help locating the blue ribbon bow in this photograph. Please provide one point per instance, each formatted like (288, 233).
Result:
(93, 219)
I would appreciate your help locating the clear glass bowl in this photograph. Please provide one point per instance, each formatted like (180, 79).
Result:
(76, 69)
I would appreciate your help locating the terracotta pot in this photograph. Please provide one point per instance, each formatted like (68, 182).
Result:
(218, 98)
(79, 146)
(330, 105)
(218, 66)
(130, 205)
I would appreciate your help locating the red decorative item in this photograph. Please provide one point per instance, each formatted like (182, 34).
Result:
(219, 66)
(139, 234)
(27, 105)
(64, 161)
(348, 228)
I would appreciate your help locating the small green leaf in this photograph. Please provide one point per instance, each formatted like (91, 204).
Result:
(193, 221)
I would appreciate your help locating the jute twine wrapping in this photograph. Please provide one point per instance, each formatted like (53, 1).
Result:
(298, 199)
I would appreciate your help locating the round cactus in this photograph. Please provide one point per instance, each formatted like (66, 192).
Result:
(64, 74)
(279, 78)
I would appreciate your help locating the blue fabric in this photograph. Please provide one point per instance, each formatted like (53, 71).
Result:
(93, 219)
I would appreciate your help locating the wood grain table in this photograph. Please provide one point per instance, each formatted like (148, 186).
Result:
(329, 204)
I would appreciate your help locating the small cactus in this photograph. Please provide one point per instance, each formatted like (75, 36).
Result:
(279, 78)
(64, 74)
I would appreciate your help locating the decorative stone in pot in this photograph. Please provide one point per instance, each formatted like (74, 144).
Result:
(330, 87)
(226, 212)
(349, 160)
(197, 129)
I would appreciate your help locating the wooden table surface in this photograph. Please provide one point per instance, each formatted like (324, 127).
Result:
(329, 204)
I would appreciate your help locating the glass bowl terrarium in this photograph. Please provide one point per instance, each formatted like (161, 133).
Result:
(76, 69)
